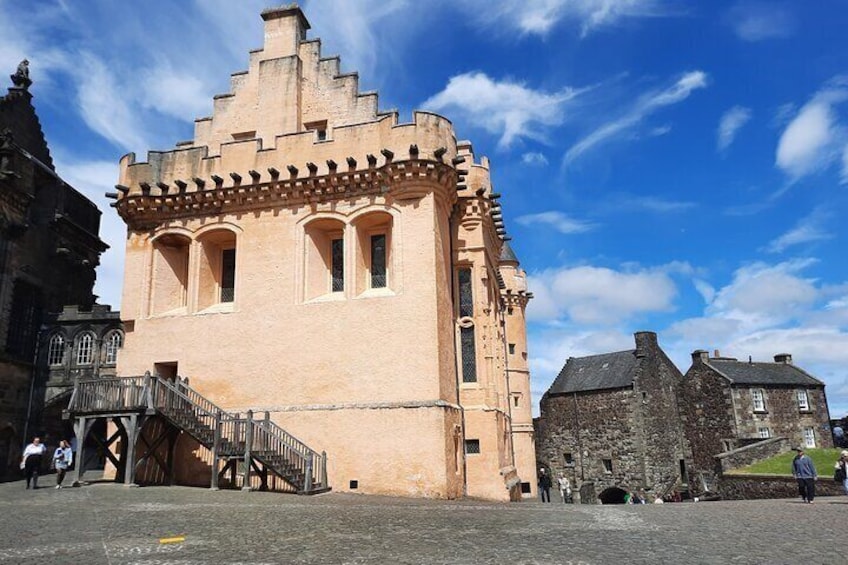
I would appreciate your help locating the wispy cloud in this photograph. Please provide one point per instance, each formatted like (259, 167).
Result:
(814, 138)
(505, 108)
(807, 230)
(540, 16)
(534, 158)
(599, 295)
(646, 105)
(729, 124)
(756, 20)
(624, 201)
(557, 220)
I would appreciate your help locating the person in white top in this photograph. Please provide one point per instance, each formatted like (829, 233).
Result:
(31, 461)
(564, 487)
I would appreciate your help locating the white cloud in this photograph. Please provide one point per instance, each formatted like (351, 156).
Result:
(626, 202)
(807, 230)
(705, 289)
(506, 108)
(534, 158)
(761, 295)
(730, 123)
(599, 296)
(646, 105)
(757, 21)
(813, 139)
(844, 178)
(539, 16)
(558, 221)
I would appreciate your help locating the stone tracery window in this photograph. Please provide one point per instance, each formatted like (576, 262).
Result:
(56, 350)
(113, 343)
(85, 349)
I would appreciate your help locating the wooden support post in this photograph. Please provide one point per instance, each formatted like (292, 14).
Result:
(81, 428)
(216, 445)
(131, 427)
(307, 481)
(173, 435)
(248, 440)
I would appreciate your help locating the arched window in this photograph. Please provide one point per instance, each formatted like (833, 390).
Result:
(325, 258)
(85, 348)
(373, 251)
(56, 350)
(113, 343)
(216, 283)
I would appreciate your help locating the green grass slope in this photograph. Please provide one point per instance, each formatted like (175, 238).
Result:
(781, 464)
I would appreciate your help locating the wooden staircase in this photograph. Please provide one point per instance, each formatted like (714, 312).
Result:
(260, 444)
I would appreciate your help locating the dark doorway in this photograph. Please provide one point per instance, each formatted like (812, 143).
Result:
(612, 495)
(167, 371)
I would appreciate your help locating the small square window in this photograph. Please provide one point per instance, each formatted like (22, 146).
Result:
(525, 488)
(569, 459)
(472, 446)
(512, 349)
(354, 484)
(809, 437)
(765, 433)
(758, 400)
(607, 465)
(803, 400)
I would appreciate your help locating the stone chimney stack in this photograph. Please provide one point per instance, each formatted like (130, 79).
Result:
(285, 28)
(785, 358)
(700, 356)
(645, 342)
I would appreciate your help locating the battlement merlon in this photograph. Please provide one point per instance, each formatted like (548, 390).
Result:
(431, 134)
(285, 28)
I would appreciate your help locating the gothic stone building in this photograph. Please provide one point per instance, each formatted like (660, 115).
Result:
(612, 423)
(308, 255)
(731, 404)
(49, 249)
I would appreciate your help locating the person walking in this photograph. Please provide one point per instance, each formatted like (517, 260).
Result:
(63, 457)
(545, 485)
(841, 469)
(805, 473)
(31, 461)
(564, 488)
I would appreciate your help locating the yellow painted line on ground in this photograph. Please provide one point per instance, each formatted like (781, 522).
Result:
(175, 539)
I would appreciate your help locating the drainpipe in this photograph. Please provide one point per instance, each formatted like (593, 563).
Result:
(32, 387)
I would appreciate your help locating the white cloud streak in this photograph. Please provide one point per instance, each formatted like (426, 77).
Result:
(540, 16)
(645, 106)
(814, 138)
(534, 159)
(807, 230)
(729, 124)
(505, 108)
(557, 220)
(758, 21)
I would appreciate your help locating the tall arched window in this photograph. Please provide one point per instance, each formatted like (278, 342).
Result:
(56, 350)
(85, 349)
(113, 343)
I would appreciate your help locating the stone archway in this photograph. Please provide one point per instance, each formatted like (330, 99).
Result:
(612, 495)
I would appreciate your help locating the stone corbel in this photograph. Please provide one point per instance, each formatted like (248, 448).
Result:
(413, 151)
(219, 182)
(254, 175)
(292, 171)
(199, 182)
(439, 153)
(389, 155)
(236, 178)
(163, 187)
(181, 186)
(351, 164)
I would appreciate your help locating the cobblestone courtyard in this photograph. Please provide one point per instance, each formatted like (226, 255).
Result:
(111, 524)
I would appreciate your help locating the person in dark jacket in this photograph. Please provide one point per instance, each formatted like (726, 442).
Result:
(805, 473)
(545, 485)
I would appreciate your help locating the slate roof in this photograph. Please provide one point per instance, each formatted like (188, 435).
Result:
(507, 254)
(596, 372)
(763, 373)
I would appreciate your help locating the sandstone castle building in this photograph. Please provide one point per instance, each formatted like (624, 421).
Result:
(308, 255)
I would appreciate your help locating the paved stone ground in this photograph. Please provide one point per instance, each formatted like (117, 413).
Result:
(111, 524)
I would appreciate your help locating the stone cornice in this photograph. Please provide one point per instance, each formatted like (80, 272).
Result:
(400, 180)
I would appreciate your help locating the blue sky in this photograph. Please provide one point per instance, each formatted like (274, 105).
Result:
(673, 166)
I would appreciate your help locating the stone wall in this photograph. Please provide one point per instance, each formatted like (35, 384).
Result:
(782, 416)
(749, 487)
(744, 456)
(708, 410)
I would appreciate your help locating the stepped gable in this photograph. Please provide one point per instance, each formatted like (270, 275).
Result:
(738, 372)
(291, 117)
(596, 372)
(18, 114)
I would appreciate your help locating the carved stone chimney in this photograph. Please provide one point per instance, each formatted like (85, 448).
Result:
(285, 28)
(785, 358)
(645, 341)
(700, 356)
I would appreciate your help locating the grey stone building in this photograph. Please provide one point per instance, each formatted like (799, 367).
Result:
(49, 249)
(612, 423)
(731, 404)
